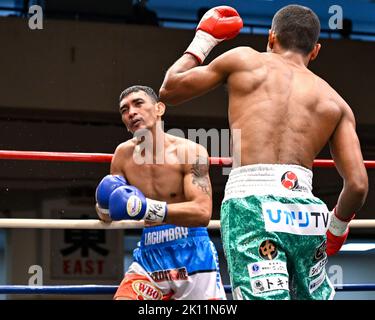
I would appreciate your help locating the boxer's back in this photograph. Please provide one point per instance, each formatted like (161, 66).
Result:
(286, 113)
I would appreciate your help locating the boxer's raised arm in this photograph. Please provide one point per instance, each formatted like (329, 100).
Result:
(183, 81)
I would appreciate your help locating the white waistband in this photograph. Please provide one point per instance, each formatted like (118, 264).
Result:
(264, 179)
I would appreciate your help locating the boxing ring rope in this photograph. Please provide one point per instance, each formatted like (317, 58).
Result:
(8, 223)
(107, 157)
(96, 224)
(111, 289)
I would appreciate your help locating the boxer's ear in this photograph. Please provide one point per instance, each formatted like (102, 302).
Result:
(160, 108)
(315, 51)
(271, 40)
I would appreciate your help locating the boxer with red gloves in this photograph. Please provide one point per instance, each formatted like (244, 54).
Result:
(337, 233)
(217, 24)
(274, 229)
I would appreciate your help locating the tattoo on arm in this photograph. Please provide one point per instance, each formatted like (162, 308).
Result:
(199, 172)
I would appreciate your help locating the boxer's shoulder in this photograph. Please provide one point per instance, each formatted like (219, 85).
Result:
(179, 143)
(126, 147)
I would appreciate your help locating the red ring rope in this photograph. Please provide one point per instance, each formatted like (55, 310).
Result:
(107, 157)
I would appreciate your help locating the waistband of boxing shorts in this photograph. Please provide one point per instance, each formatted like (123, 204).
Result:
(169, 233)
(285, 180)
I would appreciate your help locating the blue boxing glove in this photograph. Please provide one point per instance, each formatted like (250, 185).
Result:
(104, 189)
(129, 203)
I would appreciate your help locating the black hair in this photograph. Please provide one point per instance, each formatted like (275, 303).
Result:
(297, 28)
(149, 91)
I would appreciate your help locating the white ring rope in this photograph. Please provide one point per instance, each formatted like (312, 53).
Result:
(126, 224)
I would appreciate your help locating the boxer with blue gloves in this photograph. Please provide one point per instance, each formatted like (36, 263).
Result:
(164, 181)
(129, 203)
(117, 200)
(103, 191)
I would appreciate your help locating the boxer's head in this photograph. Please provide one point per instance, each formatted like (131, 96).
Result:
(140, 108)
(295, 28)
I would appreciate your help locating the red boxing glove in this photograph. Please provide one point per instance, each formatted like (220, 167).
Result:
(334, 243)
(221, 22)
(337, 233)
(217, 24)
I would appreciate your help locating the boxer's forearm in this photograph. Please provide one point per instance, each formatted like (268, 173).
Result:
(218, 24)
(351, 200)
(184, 63)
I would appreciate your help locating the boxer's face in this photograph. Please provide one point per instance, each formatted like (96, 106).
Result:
(138, 111)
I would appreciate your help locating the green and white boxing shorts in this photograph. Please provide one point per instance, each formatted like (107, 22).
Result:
(273, 231)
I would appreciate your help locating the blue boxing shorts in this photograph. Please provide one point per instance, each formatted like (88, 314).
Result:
(173, 263)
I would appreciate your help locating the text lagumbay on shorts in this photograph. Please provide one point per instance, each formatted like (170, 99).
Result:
(166, 235)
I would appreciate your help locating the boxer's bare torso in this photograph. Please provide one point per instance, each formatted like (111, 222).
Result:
(162, 181)
(286, 113)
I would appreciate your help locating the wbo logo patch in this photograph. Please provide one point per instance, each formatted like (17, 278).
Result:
(146, 290)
